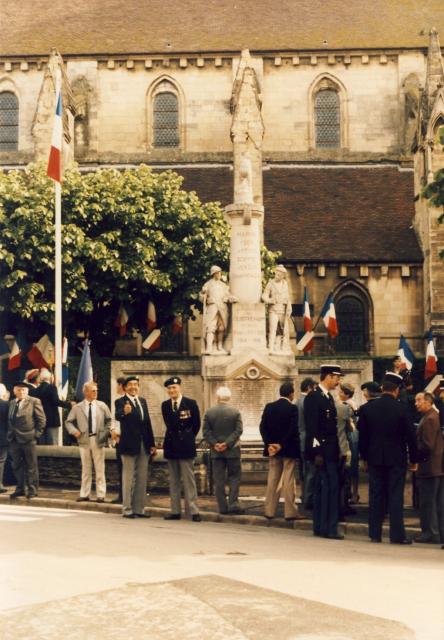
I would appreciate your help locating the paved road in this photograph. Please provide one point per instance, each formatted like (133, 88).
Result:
(86, 575)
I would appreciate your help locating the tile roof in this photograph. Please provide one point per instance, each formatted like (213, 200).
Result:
(337, 214)
(160, 26)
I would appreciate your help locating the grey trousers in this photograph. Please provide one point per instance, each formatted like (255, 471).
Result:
(184, 469)
(50, 436)
(134, 480)
(25, 466)
(3, 456)
(431, 507)
(227, 471)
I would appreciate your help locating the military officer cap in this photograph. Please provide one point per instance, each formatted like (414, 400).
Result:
(130, 379)
(173, 380)
(25, 385)
(214, 269)
(395, 378)
(334, 369)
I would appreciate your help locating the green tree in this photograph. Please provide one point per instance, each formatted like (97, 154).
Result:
(128, 237)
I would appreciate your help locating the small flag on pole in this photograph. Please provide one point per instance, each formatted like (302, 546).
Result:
(85, 371)
(17, 352)
(41, 354)
(307, 324)
(431, 365)
(405, 353)
(151, 316)
(121, 320)
(328, 315)
(54, 169)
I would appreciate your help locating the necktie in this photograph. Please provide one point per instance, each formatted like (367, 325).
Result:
(16, 408)
(137, 407)
(90, 419)
(175, 406)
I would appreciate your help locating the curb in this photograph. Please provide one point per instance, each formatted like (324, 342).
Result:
(348, 528)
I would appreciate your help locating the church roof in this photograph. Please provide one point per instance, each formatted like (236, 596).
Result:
(32, 27)
(328, 214)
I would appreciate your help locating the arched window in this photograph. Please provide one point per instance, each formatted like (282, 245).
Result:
(352, 318)
(166, 117)
(327, 119)
(9, 114)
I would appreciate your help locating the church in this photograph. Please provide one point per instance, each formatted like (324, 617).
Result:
(351, 99)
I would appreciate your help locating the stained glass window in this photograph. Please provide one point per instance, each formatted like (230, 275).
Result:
(9, 113)
(327, 119)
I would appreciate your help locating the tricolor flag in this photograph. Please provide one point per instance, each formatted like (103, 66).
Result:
(152, 342)
(17, 352)
(121, 321)
(308, 328)
(405, 353)
(54, 169)
(151, 316)
(177, 324)
(85, 371)
(328, 315)
(65, 370)
(431, 365)
(41, 354)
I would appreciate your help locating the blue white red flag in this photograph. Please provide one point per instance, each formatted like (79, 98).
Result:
(17, 352)
(405, 353)
(41, 354)
(306, 343)
(431, 365)
(328, 315)
(54, 169)
(121, 321)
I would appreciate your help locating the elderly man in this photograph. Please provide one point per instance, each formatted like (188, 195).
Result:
(182, 420)
(90, 422)
(386, 434)
(430, 473)
(4, 410)
(279, 431)
(136, 445)
(222, 430)
(277, 296)
(322, 449)
(26, 422)
(46, 391)
(215, 296)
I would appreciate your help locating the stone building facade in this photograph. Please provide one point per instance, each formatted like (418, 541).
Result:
(341, 97)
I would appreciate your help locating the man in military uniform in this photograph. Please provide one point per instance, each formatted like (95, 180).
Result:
(386, 433)
(322, 448)
(277, 296)
(182, 420)
(215, 295)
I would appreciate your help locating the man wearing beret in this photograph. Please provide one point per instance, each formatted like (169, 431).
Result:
(386, 434)
(182, 420)
(136, 445)
(322, 448)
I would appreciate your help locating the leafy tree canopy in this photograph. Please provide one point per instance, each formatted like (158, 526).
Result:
(128, 237)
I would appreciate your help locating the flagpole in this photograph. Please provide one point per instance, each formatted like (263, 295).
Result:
(58, 275)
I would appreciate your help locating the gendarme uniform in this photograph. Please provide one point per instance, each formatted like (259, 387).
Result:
(322, 446)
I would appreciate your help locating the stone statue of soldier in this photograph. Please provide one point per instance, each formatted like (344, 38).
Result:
(216, 297)
(277, 296)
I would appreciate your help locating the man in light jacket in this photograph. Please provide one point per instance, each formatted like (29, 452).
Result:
(222, 430)
(89, 422)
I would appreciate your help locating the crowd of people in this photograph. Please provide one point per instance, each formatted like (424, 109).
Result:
(314, 440)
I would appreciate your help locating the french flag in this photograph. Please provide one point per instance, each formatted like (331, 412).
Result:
(405, 353)
(41, 354)
(308, 328)
(431, 366)
(54, 169)
(328, 315)
(121, 321)
(17, 352)
(151, 316)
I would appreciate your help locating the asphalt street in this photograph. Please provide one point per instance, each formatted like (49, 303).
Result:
(87, 575)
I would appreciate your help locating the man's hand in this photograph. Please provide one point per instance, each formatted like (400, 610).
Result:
(413, 466)
(73, 403)
(348, 458)
(153, 452)
(77, 434)
(115, 437)
(318, 460)
(274, 448)
(127, 408)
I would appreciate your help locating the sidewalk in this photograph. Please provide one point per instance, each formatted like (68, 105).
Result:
(251, 498)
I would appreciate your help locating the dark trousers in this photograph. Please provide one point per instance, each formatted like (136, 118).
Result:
(344, 487)
(431, 508)
(227, 471)
(325, 506)
(24, 464)
(309, 483)
(386, 490)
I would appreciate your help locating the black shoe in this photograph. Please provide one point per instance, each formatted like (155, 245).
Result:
(172, 516)
(142, 515)
(350, 512)
(293, 518)
(129, 515)
(100, 499)
(337, 536)
(237, 512)
(196, 518)
(425, 540)
(3, 490)
(405, 541)
(17, 494)
(375, 540)
(116, 501)
(82, 499)
(32, 494)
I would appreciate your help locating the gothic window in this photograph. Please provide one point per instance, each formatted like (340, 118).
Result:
(327, 118)
(166, 117)
(352, 318)
(9, 113)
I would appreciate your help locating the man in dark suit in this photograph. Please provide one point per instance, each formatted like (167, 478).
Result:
(322, 448)
(26, 421)
(136, 445)
(279, 431)
(385, 435)
(49, 397)
(182, 420)
(4, 410)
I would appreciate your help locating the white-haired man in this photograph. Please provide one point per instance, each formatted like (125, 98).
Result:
(222, 430)
(90, 423)
(47, 393)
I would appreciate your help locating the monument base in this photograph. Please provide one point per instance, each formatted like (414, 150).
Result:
(254, 378)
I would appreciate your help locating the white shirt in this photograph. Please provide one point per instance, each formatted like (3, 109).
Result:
(178, 400)
(323, 389)
(136, 403)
